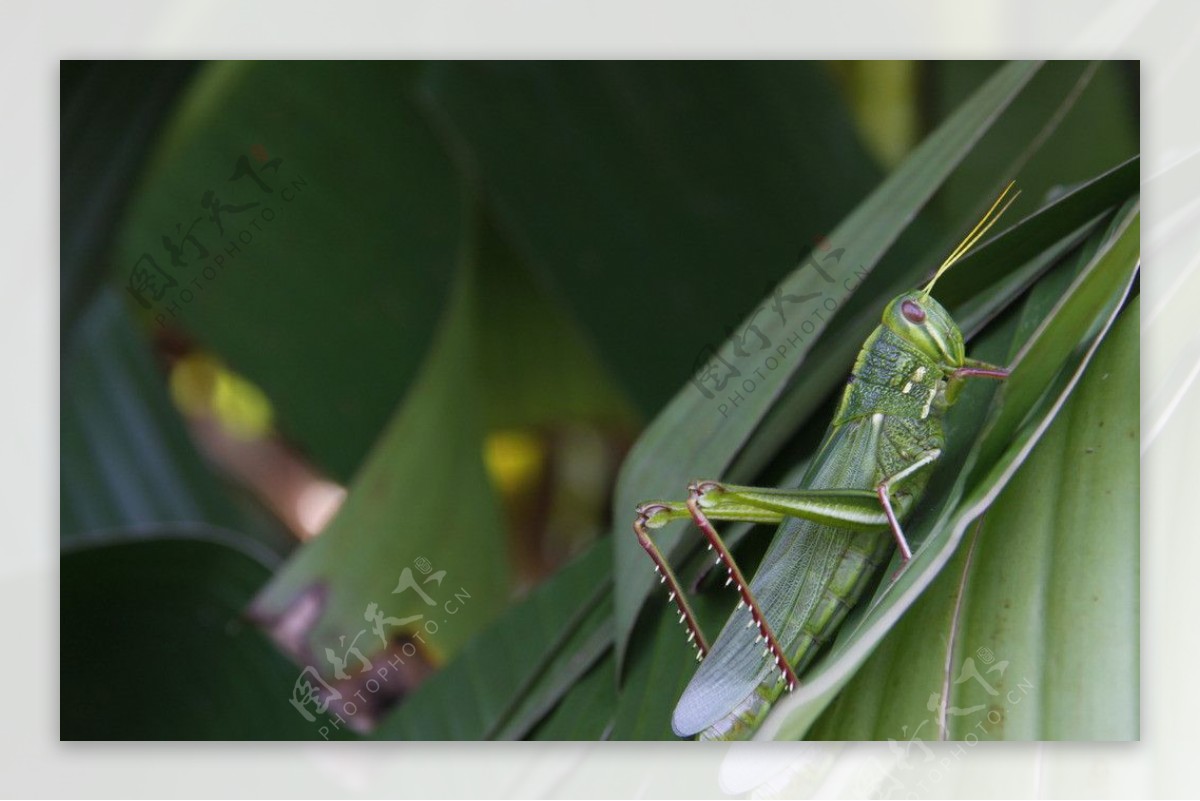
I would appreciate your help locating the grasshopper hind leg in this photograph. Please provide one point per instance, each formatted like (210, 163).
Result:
(653, 515)
(657, 513)
(708, 500)
(766, 634)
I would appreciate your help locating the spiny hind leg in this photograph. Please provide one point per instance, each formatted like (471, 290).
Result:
(653, 515)
(656, 514)
(855, 509)
(766, 634)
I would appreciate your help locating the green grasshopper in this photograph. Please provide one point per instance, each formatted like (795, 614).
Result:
(837, 528)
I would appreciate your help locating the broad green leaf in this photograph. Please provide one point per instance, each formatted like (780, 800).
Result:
(656, 201)
(125, 458)
(153, 645)
(324, 292)
(422, 498)
(538, 367)
(1077, 500)
(1044, 372)
(693, 437)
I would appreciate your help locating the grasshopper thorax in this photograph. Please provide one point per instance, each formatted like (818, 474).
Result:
(922, 322)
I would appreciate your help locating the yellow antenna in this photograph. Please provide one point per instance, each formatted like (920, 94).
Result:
(981, 228)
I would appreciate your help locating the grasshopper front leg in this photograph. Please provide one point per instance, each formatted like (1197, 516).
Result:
(853, 509)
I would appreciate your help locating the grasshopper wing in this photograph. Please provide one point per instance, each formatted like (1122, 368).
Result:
(737, 676)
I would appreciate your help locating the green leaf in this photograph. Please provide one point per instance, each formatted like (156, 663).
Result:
(326, 293)
(1044, 373)
(1101, 128)
(126, 460)
(972, 285)
(586, 713)
(653, 680)
(655, 201)
(423, 494)
(692, 437)
(153, 646)
(538, 367)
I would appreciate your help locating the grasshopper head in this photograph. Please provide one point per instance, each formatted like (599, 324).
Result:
(921, 320)
(923, 323)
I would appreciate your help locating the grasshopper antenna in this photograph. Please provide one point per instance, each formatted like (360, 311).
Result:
(981, 228)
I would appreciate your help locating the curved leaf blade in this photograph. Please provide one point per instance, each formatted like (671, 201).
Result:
(153, 645)
(422, 502)
(331, 254)
(632, 189)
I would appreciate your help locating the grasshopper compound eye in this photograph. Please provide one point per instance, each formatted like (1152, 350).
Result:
(912, 311)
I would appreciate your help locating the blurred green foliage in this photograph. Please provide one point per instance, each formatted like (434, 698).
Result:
(406, 257)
